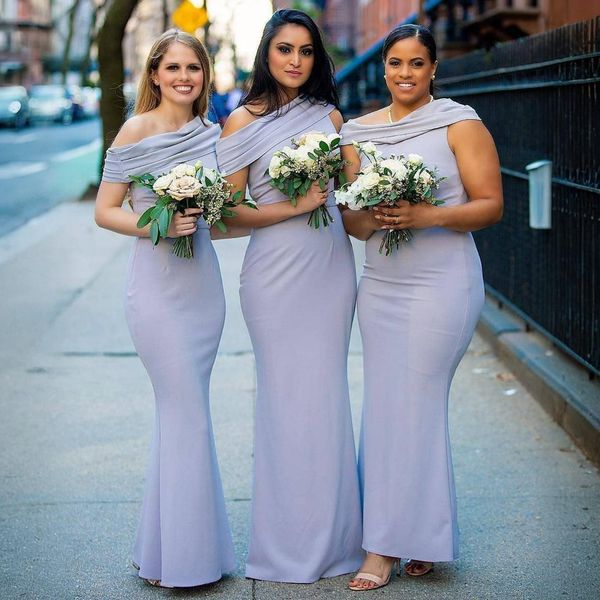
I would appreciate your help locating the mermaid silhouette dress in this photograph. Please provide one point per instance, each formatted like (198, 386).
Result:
(417, 311)
(175, 310)
(298, 288)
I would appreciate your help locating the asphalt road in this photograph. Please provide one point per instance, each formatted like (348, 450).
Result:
(44, 165)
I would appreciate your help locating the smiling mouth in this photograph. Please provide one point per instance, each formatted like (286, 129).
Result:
(182, 89)
(405, 85)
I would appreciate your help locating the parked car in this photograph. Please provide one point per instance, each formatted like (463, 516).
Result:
(51, 103)
(14, 106)
(90, 102)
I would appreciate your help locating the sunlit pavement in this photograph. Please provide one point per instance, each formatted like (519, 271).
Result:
(77, 412)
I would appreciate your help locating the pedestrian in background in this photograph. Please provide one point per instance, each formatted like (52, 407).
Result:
(417, 310)
(175, 310)
(297, 292)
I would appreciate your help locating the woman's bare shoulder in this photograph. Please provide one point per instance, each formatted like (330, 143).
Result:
(238, 119)
(135, 129)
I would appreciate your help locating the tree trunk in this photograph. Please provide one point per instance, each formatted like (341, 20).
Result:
(92, 36)
(66, 60)
(111, 68)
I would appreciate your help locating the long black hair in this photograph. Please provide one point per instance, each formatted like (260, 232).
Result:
(403, 32)
(320, 86)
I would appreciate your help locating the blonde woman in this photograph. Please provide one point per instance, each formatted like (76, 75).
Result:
(175, 310)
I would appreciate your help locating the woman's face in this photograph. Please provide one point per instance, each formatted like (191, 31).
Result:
(291, 57)
(179, 75)
(408, 71)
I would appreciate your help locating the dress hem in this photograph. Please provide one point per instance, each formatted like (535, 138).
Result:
(344, 569)
(410, 556)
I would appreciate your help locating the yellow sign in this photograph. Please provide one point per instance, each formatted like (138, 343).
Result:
(189, 17)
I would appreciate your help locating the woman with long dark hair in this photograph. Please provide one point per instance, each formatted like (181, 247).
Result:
(417, 310)
(175, 310)
(297, 292)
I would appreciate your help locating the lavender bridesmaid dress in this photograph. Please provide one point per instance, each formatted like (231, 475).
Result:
(297, 291)
(175, 310)
(417, 311)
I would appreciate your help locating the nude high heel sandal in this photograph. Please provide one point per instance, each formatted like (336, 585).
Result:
(378, 581)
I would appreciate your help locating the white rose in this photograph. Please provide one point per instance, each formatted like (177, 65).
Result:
(183, 170)
(275, 166)
(347, 198)
(425, 177)
(211, 174)
(301, 155)
(415, 159)
(397, 167)
(284, 170)
(161, 184)
(184, 187)
(198, 165)
(370, 180)
(312, 139)
(370, 149)
(342, 197)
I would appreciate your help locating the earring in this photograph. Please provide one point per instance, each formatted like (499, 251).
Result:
(432, 77)
(385, 76)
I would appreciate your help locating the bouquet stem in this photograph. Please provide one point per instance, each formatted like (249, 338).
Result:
(392, 239)
(184, 247)
(318, 215)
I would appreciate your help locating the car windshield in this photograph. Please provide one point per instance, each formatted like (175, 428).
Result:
(11, 92)
(47, 92)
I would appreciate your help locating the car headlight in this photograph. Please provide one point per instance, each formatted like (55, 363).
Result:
(14, 107)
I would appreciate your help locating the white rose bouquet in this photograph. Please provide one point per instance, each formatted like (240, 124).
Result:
(386, 181)
(187, 186)
(314, 157)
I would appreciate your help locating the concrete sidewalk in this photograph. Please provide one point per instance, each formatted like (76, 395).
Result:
(77, 413)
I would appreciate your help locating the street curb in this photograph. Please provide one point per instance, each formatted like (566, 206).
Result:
(561, 386)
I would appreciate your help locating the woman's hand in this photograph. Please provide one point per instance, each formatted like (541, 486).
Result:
(314, 198)
(184, 224)
(406, 215)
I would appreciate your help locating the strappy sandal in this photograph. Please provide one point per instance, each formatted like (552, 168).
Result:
(378, 581)
(158, 583)
(426, 567)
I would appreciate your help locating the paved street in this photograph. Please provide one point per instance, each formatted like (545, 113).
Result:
(77, 410)
(43, 165)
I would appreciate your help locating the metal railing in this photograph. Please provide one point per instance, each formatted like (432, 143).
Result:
(538, 96)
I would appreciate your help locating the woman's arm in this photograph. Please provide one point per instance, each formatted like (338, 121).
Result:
(479, 170)
(358, 223)
(109, 211)
(268, 214)
(110, 214)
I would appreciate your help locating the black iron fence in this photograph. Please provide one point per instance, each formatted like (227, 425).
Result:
(540, 98)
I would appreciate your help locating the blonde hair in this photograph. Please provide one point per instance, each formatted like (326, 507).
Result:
(149, 96)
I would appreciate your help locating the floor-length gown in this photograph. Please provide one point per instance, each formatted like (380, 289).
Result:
(298, 289)
(417, 311)
(175, 310)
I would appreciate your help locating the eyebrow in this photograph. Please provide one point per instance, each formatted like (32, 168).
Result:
(177, 64)
(413, 58)
(292, 45)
